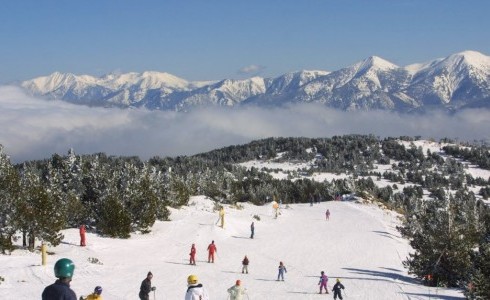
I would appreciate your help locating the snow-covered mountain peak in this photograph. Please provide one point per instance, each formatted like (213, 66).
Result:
(376, 63)
(459, 80)
(306, 76)
(255, 84)
(50, 82)
(146, 80)
(469, 58)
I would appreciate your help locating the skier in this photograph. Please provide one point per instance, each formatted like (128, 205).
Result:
(282, 270)
(192, 260)
(195, 290)
(96, 295)
(63, 270)
(323, 282)
(146, 287)
(237, 291)
(82, 235)
(211, 250)
(337, 289)
(245, 265)
(327, 214)
(275, 206)
(252, 230)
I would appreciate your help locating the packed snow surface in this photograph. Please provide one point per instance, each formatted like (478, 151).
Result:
(359, 245)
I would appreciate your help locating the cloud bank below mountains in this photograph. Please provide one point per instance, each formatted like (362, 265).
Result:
(35, 129)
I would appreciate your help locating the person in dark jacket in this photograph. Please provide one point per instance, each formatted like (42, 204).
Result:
(252, 230)
(60, 290)
(146, 287)
(245, 265)
(337, 290)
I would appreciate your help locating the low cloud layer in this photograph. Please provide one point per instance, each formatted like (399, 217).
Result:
(35, 129)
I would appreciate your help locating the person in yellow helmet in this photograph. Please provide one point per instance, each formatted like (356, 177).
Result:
(195, 290)
(337, 289)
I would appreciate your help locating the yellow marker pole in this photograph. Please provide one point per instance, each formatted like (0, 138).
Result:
(44, 255)
(222, 215)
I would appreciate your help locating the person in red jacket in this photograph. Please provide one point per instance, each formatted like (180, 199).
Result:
(211, 250)
(82, 235)
(192, 260)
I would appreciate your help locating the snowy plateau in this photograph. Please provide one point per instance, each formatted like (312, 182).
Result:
(359, 244)
(459, 81)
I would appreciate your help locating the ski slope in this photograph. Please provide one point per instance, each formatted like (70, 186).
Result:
(359, 245)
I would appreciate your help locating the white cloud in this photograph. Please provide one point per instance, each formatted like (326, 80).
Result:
(251, 69)
(34, 128)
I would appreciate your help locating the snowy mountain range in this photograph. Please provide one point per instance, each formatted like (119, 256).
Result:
(458, 81)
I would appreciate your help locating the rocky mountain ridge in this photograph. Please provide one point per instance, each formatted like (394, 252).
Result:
(458, 81)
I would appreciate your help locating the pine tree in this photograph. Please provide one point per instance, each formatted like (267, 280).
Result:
(479, 287)
(443, 234)
(9, 194)
(112, 217)
(143, 203)
(40, 213)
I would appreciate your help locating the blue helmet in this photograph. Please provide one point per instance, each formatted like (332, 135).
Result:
(98, 290)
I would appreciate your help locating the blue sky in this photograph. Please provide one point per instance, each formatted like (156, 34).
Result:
(216, 39)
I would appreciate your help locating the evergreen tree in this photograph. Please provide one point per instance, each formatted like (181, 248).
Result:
(113, 219)
(40, 213)
(143, 204)
(443, 234)
(9, 195)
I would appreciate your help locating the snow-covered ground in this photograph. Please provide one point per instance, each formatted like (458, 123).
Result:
(359, 245)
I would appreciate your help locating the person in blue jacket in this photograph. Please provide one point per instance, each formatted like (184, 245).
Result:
(282, 270)
(60, 290)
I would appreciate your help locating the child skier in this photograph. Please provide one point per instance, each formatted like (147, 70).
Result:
(323, 282)
(237, 291)
(245, 265)
(337, 290)
(195, 290)
(327, 214)
(96, 295)
(282, 270)
(192, 259)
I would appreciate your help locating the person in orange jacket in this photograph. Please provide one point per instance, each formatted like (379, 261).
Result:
(192, 259)
(211, 250)
(82, 235)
